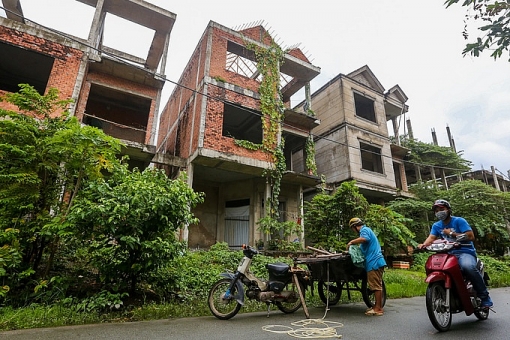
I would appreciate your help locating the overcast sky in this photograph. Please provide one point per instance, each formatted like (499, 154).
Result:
(415, 44)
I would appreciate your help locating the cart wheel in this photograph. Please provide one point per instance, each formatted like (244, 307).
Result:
(368, 294)
(333, 288)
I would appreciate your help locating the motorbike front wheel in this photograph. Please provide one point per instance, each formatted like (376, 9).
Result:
(294, 300)
(223, 308)
(439, 313)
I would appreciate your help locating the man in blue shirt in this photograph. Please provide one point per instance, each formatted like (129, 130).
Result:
(374, 261)
(448, 227)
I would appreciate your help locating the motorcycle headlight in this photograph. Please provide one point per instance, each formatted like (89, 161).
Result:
(439, 246)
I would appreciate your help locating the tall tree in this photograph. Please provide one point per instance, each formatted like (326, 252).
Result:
(45, 155)
(494, 18)
(327, 216)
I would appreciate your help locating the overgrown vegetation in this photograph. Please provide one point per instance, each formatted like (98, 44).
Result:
(193, 273)
(327, 219)
(75, 222)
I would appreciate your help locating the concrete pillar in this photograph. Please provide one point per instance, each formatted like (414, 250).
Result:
(395, 130)
(434, 137)
(95, 38)
(403, 177)
(445, 183)
(184, 232)
(308, 96)
(418, 172)
(410, 129)
(495, 178)
(450, 139)
(433, 174)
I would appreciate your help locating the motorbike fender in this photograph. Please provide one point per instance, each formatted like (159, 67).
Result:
(439, 276)
(240, 288)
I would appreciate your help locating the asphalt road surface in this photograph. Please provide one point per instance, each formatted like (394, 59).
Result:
(403, 319)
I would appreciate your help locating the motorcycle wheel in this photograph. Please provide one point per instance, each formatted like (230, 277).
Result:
(439, 314)
(333, 291)
(482, 314)
(291, 307)
(221, 307)
(369, 295)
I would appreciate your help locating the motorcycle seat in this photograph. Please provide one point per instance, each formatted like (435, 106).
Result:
(278, 268)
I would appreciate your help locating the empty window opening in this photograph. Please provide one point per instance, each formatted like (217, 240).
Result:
(116, 36)
(364, 107)
(371, 159)
(119, 114)
(20, 66)
(242, 61)
(242, 123)
(237, 222)
(294, 146)
(398, 177)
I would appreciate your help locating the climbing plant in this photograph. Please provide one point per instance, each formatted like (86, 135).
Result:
(310, 155)
(269, 60)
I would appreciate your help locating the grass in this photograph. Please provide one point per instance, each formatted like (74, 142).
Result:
(400, 283)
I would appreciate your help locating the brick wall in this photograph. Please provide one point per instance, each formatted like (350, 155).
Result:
(66, 59)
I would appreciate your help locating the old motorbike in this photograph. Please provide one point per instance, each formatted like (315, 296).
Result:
(285, 287)
(448, 291)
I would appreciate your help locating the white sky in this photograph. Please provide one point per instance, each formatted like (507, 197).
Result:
(413, 43)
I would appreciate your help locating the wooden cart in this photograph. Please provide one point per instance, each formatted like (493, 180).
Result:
(335, 273)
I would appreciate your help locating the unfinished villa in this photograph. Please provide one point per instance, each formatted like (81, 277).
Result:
(352, 142)
(111, 89)
(210, 120)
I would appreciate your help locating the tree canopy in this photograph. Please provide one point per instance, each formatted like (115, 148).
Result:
(494, 19)
(71, 211)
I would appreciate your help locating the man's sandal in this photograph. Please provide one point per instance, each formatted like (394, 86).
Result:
(372, 312)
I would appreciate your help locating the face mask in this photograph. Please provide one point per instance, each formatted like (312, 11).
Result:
(442, 215)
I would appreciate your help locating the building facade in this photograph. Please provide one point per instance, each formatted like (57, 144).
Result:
(216, 104)
(352, 142)
(112, 90)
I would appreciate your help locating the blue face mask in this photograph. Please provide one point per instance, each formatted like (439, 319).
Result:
(442, 215)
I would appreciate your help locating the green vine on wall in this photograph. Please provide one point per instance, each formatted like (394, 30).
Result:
(247, 144)
(310, 155)
(269, 60)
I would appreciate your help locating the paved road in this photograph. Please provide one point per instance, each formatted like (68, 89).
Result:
(404, 319)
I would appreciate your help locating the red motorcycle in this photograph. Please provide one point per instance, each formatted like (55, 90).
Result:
(448, 291)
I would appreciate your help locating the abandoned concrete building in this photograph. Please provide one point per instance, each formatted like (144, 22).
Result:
(112, 90)
(218, 104)
(352, 141)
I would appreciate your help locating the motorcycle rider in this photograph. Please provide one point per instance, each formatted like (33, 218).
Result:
(374, 261)
(449, 227)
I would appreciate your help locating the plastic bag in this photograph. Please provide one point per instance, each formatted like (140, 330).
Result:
(357, 256)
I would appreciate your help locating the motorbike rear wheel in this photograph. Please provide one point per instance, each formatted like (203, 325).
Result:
(291, 307)
(368, 295)
(331, 290)
(221, 307)
(439, 314)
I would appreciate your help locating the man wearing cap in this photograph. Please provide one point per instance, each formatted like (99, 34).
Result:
(374, 261)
